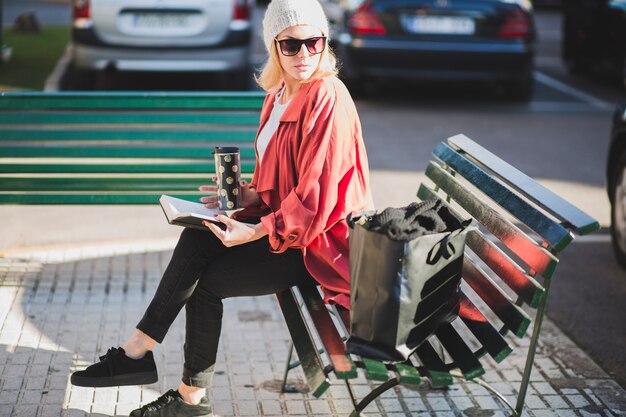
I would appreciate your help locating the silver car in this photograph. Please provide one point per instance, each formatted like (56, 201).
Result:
(162, 35)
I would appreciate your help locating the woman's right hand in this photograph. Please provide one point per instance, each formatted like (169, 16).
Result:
(249, 196)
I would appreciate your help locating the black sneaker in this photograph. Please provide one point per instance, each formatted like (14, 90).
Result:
(171, 404)
(115, 368)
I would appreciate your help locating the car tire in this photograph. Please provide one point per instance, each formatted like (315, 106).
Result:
(520, 89)
(78, 79)
(578, 67)
(618, 210)
(240, 80)
(356, 86)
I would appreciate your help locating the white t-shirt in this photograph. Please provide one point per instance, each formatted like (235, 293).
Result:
(272, 125)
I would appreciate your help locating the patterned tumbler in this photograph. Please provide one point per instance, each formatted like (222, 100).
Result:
(228, 173)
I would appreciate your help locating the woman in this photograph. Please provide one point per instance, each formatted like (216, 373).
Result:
(311, 172)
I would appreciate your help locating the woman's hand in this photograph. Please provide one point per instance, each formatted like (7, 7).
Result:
(236, 233)
(249, 196)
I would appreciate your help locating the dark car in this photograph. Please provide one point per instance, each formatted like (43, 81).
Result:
(616, 183)
(478, 40)
(594, 36)
(547, 3)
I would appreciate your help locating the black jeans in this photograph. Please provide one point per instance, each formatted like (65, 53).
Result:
(201, 273)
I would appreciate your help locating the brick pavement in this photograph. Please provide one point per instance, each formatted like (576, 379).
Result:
(60, 308)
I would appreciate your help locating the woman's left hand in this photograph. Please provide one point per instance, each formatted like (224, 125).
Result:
(236, 233)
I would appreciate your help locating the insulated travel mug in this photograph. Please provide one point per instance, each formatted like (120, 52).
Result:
(228, 173)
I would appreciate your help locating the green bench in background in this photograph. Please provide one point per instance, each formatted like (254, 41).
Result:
(509, 264)
(118, 148)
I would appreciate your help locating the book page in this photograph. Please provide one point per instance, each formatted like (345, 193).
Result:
(176, 208)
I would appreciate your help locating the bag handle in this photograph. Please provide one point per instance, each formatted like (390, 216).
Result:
(445, 247)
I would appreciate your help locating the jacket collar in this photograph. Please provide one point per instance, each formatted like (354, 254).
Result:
(293, 110)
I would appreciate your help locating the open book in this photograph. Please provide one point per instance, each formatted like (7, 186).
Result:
(188, 213)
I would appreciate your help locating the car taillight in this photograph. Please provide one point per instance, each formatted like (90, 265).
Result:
(516, 26)
(81, 9)
(365, 21)
(242, 10)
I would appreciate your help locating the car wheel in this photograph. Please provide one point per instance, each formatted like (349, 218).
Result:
(618, 211)
(520, 89)
(356, 86)
(240, 80)
(578, 66)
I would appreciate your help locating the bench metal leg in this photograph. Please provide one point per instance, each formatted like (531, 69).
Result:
(491, 389)
(532, 349)
(375, 393)
(288, 368)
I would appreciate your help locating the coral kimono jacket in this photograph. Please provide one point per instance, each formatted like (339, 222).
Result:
(314, 173)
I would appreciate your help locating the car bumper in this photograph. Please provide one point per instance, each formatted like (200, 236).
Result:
(434, 60)
(166, 60)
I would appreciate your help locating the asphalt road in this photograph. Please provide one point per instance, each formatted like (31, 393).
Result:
(560, 137)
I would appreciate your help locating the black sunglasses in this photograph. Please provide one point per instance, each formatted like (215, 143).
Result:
(291, 47)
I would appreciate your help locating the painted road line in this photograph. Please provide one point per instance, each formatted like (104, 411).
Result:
(571, 91)
(564, 107)
(595, 238)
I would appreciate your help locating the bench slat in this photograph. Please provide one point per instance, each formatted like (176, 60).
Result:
(578, 220)
(116, 151)
(91, 197)
(511, 315)
(376, 371)
(510, 235)
(36, 184)
(408, 374)
(481, 328)
(110, 118)
(525, 286)
(33, 166)
(312, 364)
(458, 350)
(333, 344)
(555, 234)
(435, 368)
(108, 134)
(126, 100)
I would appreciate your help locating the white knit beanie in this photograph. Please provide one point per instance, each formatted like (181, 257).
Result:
(282, 14)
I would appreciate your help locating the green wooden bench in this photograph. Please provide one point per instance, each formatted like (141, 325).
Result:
(129, 148)
(508, 267)
(118, 148)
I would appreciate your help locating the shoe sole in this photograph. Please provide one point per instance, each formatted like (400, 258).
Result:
(142, 378)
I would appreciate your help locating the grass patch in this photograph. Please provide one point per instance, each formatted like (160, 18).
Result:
(34, 56)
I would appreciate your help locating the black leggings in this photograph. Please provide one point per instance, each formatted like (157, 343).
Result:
(200, 274)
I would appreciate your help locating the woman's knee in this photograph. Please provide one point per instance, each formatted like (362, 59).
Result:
(205, 303)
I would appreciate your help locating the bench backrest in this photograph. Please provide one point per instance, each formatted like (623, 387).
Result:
(511, 257)
(118, 148)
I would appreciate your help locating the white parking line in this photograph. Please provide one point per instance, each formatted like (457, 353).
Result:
(572, 92)
(594, 238)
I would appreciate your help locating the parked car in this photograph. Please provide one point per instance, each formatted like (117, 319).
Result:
(616, 183)
(162, 35)
(547, 3)
(478, 40)
(594, 36)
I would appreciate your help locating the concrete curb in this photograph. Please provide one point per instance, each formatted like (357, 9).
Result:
(53, 82)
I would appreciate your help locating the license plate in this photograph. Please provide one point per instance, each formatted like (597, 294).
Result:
(439, 25)
(160, 20)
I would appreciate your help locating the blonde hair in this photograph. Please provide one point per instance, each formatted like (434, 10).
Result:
(271, 75)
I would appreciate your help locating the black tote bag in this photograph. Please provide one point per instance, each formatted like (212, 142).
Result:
(405, 267)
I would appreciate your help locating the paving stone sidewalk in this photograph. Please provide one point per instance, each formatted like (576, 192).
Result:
(61, 308)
